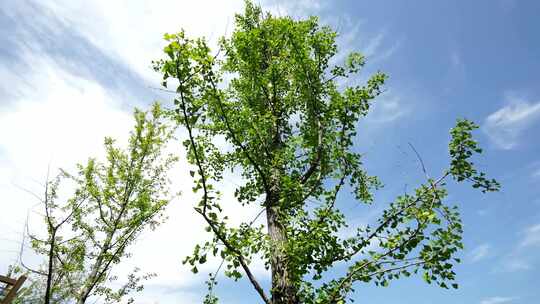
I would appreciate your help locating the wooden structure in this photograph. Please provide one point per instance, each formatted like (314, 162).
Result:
(11, 288)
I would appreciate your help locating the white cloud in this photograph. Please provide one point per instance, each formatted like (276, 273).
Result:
(480, 252)
(153, 295)
(505, 126)
(61, 120)
(58, 119)
(132, 30)
(507, 5)
(497, 300)
(531, 237)
(455, 58)
(373, 45)
(387, 108)
(296, 9)
(352, 37)
(520, 258)
(516, 263)
(458, 66)
(482, 212)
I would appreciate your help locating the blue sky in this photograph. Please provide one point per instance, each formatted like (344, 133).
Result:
(71, 71)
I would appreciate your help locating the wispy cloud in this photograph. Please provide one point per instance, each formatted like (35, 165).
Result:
(300, 8)
(480, 253)
(455, 58)
(505, 126)
(514, 263)
(482, 212)
(507, 5)
(520, 257)
(61, 121)
(373, 45)
(61, 105)
(456, 71)
(387, 108)
(536, 173)
(58, 120)
(531, 236)
(119, 32)
(377, 48)
(497, 300)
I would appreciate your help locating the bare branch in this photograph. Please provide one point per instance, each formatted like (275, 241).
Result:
(420, 160)
(239, 256)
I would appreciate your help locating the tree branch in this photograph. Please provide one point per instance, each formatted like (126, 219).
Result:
(239, 256)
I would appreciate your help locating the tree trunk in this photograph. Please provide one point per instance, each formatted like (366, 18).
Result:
(283, 289)
(93, 278)
(48, 290)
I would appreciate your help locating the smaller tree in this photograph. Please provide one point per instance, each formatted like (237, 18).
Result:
(113, 202)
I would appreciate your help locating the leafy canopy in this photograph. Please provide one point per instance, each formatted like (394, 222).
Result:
(275, 95)
(90, 230)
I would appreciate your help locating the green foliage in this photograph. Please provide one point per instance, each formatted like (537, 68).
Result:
(275, 96)
(462, 147)
(112, 203)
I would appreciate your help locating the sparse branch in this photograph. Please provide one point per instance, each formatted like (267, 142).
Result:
(238, 255)
(232, 133)
(385, 223)
(21, 252)
(212, 225)
(350, 275)
(315, 163)
(420, 160)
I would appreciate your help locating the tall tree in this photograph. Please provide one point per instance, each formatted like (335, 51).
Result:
(89, 232)
(275, 96)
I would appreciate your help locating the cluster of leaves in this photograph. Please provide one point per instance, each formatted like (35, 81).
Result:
(462, 147)
(273, 94)
(112, 203)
